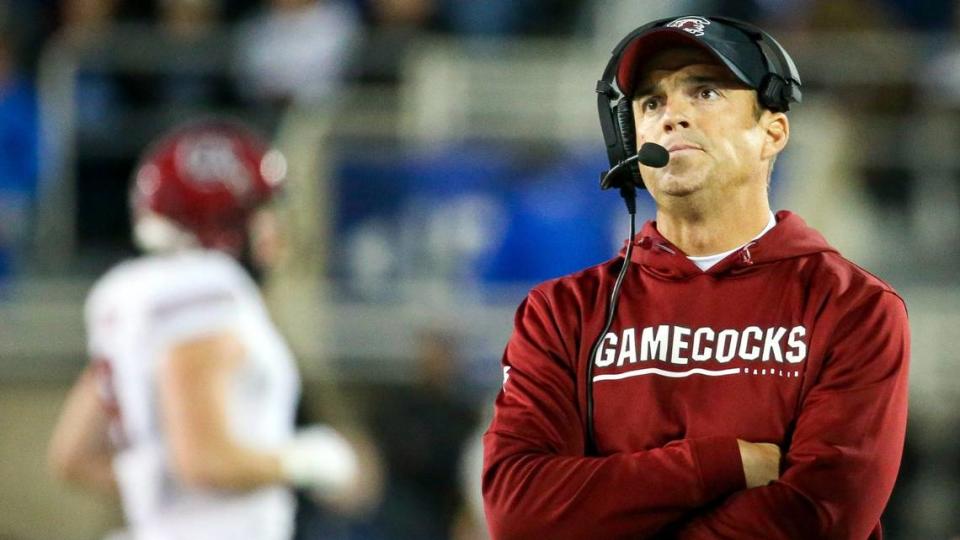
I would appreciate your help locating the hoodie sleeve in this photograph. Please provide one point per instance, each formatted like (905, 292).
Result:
(537, 482)
(843, 460)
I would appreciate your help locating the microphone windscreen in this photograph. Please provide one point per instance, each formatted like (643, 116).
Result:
(653, 155)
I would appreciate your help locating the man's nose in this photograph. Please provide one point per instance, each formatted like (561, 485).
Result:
(675, 115)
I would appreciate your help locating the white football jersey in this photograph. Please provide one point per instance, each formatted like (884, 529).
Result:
(134, 315)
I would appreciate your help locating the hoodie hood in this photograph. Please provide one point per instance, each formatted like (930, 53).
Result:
(790, 237)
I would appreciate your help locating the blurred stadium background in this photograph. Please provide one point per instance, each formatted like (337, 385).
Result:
(443, 157)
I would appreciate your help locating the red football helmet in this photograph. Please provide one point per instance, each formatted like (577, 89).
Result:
(207, 178)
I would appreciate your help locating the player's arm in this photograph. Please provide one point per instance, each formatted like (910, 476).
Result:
(537, 482)
(845, 453)
(194, 383)
(80, 451)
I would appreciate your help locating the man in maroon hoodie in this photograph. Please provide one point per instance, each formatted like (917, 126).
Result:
(752, 383)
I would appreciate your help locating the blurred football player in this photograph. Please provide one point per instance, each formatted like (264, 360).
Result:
(187, 406)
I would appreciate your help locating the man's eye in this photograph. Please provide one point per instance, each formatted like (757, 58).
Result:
(650, 104)
(709, 93)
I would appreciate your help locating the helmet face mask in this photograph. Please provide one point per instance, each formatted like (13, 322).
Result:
(203, 180)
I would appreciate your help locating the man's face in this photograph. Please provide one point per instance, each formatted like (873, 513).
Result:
(689, 103)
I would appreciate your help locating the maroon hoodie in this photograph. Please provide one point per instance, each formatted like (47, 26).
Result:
(784, 341)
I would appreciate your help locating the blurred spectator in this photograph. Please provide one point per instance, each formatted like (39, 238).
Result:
(83, 22)
(192, 25)
(398, 24)
(411, 13)
(298, 50)
(884, 179)
(491, 17)
(189, 18)
(33, 20)
(395, 25)
(18, 156)
(422, 429)
(84, 19)
(507, 17)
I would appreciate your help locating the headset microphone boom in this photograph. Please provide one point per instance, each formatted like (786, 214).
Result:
(620, 176)
(650, 154)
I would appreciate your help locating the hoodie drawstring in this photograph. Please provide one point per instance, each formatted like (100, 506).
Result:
(746, 259)
(646, 242)
(664, 247)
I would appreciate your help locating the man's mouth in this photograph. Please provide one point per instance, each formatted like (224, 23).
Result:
(680, 147)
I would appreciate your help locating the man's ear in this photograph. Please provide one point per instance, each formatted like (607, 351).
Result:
(776, 128)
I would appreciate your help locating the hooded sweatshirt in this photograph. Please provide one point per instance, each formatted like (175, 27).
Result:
(784, 341)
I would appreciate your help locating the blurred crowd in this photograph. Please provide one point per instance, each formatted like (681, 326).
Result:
(269, 54)
(274, 56)
(265, 55)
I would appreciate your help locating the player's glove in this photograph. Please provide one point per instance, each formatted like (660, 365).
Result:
(320, 460)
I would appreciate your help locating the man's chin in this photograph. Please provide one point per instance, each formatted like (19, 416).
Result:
(678, 185)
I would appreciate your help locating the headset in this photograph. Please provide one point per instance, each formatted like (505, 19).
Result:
(778, 88)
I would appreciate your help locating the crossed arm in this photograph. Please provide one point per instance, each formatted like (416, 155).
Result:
(843, 460)
(839, 468)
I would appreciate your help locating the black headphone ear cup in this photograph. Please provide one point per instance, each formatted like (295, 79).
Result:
(774, 93)
(628, 136)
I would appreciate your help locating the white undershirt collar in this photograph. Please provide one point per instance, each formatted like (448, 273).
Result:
(704, 262)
